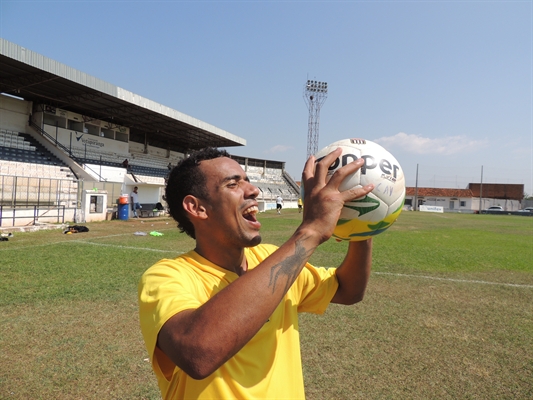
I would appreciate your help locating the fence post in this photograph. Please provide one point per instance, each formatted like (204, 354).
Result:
(14, 194)
(39, 193)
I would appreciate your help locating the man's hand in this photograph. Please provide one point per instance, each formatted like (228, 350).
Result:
(323, 200)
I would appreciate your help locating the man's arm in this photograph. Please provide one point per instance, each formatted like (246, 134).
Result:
(199, 341)
(353, 273)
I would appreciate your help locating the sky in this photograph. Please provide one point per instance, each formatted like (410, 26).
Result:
(444, 86)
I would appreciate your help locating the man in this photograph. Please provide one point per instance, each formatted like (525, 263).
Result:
(220, 322)
(279, 202)
(300, 205)
(135, 205)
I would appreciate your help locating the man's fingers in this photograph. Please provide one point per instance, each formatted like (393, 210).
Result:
(317, 171)
(357, 192)
(323, 165)
(342, 173)
(309, 168)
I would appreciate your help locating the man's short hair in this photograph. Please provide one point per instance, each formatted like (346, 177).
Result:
(187, 179)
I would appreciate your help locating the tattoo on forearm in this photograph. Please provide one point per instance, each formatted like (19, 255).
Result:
(290, 267)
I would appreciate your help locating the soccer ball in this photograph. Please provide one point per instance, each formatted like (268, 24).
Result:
(371, 215)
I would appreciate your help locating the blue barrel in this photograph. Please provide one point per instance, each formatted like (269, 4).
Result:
(123, 211)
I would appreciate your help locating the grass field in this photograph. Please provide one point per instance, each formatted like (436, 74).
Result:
(448, 312)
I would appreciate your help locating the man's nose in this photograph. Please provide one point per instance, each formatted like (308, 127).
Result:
(253, 190)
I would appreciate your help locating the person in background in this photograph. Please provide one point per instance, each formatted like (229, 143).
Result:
(279, 203)
(221, 321)
(135, 205)
(300, 205)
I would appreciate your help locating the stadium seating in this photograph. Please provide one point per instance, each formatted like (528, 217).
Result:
(139, 164)
(33, 169)
(21, 155)
(271, 183)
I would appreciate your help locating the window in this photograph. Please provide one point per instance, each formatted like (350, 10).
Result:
(121, 137)
(54, 120)
(108, 133)
(75, 125)
(96, 204)
(92, 129)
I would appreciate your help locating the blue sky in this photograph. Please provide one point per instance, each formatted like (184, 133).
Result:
(445, 85)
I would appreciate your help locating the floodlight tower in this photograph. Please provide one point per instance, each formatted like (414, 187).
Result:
(315, 94)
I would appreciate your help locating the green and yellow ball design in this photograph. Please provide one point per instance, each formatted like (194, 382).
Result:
(355, 229)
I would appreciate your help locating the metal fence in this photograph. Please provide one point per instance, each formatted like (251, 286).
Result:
(29, 216)
(29, 200)
(23, 191)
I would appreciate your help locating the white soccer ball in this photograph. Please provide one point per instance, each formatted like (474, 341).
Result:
(371, 215)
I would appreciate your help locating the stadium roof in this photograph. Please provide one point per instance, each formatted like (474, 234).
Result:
(33, 77)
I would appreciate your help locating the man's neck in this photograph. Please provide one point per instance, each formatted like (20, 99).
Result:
(231, 260)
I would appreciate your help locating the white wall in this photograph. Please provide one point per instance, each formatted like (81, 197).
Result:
(82, 141)
(471, 203)
(111, 174)
(14, 113)
(147, 193)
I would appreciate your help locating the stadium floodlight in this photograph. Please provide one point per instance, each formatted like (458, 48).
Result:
(315, 94)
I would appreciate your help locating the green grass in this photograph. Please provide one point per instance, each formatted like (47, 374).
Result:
(448, 311)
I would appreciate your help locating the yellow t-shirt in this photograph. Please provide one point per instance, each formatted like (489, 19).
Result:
(268, 366)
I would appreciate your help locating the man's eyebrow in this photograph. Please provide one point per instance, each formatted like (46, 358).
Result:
(235, 177)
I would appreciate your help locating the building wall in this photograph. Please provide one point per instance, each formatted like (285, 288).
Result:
(14, 113)
(463, 204)
(447, 203)
(81, 135)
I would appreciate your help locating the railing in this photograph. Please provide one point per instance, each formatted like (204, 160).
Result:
(52, 139)
(33, 215)
(291, 182)
(64, 148)
(23, 191)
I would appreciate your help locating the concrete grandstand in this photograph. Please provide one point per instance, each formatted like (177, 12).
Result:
(71, 145)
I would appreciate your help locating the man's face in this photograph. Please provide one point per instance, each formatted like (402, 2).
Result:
(231, 206)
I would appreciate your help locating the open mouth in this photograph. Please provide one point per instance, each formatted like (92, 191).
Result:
(250, 212)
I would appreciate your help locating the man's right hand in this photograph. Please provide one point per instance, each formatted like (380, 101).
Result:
(322, 198)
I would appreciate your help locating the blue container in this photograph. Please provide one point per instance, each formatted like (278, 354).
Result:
(123, 211)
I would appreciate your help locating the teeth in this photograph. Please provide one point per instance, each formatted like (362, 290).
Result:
(251, 210)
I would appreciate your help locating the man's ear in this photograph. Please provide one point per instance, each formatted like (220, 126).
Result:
(193, 206)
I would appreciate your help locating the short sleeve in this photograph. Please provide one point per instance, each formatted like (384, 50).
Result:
(163, 292)
(315, 288)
